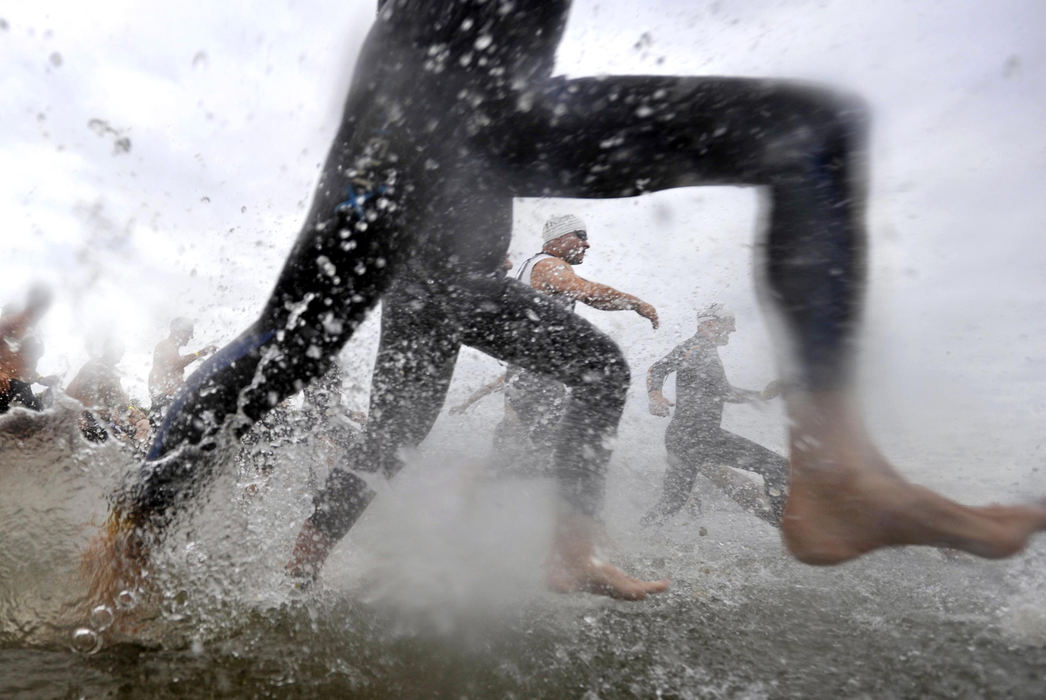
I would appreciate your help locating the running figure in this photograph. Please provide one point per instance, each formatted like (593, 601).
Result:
(168, 370)
(695, 439)
(107, 408)
(453, 111)
(20, 350)
(534, 401)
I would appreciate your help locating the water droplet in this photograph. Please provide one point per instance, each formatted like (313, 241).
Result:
(126, 599)
(101, 617)
(86, 641)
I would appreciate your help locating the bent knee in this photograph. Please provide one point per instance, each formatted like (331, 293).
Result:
(823, 125)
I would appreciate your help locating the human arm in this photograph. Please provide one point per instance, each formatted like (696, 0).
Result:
(186, 360)
(50, 380)
(655, 382)
(736, 395)
(483, 391)
(556, 276)
(772, 390)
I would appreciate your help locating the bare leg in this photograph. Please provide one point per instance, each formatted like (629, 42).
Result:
(311, 550)
(846, 499)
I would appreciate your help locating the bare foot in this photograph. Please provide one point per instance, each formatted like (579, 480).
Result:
(114, 568)
(310, 552)
(574, 566)
(845, 499)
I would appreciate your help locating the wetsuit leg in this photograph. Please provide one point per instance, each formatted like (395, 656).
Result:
(511, 322)
(684, 443)
(415, 363)
(741, 453)
(622, 136)
(538, 403)
(333, 275)
(526, 328)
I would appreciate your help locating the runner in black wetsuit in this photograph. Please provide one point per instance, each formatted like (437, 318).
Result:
(453, 111)
(695, 438)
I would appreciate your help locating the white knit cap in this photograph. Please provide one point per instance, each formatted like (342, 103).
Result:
(558, 226)
(713, 311)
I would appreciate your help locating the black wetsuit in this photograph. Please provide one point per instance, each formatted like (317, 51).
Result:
(19, 393)
(453, 111)
(695, 439)
(535, 403)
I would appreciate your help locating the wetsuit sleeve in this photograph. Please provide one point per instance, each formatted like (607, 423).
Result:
(659, 371)
(735, 395)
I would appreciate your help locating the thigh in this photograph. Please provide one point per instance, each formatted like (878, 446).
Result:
(745, 454)
(412, 372)
(625, 135)
(514, 323)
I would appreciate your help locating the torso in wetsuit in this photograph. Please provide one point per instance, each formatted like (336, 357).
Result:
(701, 384)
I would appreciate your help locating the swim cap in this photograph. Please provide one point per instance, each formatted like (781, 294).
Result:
(182, 325)
(558, 226)
(714, 311)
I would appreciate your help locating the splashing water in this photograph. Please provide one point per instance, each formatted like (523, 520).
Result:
(439, 591)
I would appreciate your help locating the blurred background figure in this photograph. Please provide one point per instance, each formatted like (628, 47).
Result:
(695, 440)
(168, 371)
(20, 350)
(107, 407)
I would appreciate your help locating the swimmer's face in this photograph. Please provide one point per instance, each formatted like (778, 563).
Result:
(574, 247)
(717, 330)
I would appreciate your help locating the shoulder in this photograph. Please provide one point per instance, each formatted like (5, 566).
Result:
(551, 270)
(551, 262)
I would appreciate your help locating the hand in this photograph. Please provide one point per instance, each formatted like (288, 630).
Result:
(659, 405)
(49, 380)
(649, 312)
(458, 410)
(209, 350)
(771, 390)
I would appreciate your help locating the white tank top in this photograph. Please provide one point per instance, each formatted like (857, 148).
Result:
(525, 271)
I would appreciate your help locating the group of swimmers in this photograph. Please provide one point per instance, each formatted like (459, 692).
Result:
(535, 403)
(453, 111)
(108, 410)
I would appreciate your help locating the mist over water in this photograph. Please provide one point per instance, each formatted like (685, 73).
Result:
(439, 590)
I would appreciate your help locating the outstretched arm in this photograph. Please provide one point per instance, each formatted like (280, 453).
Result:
(737, 395)
(556, 276)
(483, 391)
(186, 360)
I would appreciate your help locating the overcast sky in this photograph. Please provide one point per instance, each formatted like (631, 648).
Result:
(158, 159)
